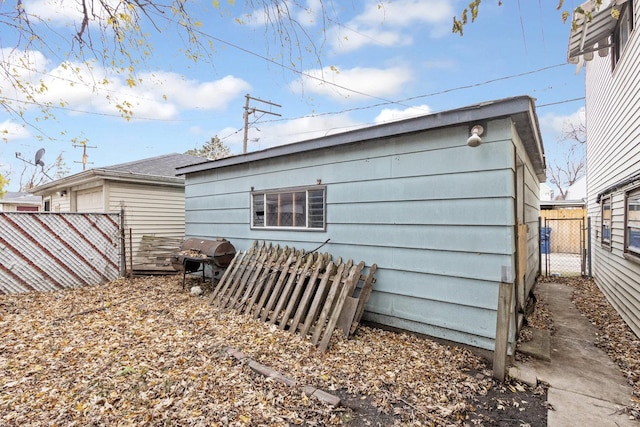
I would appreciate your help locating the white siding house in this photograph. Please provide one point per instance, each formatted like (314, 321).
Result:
(609, 49)
(19, 202)
(147, 190)
(440, 218)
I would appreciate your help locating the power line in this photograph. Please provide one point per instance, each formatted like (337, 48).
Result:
(295, 71)
(566, 101)
(248, 110)
(442, 92)
(386, 102)
(301, 73)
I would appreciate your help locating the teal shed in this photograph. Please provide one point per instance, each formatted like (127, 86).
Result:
(442, 219)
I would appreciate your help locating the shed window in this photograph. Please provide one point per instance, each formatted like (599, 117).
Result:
(292, 209)
(606, 221)
(632, 222)
(622, 31)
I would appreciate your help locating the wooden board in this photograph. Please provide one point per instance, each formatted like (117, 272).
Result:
(306, 293)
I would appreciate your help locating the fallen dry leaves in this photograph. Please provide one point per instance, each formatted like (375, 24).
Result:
(144, 352)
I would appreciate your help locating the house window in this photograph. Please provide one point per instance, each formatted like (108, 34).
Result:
(632, 222)
(293, 209)
(47, 205)
(622, 31)
(606, 221)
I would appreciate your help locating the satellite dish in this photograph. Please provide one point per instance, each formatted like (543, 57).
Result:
(39, 156)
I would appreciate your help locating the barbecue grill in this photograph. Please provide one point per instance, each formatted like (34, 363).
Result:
(197, 254)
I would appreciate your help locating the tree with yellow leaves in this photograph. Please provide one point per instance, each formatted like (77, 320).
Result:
(4, 181)
(470, 14)
(117, 36)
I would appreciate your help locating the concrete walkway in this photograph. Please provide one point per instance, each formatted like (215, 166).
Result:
(586, 386)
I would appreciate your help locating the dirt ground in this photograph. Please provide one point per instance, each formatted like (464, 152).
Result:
(146, 352)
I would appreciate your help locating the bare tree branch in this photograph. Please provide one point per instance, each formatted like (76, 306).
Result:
(574, 164)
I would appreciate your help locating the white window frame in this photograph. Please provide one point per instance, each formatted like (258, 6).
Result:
(276, 209)
(632, 222)
(605, 238)
(622, 32)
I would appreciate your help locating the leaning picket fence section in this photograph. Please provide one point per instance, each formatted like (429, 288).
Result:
(303, 292)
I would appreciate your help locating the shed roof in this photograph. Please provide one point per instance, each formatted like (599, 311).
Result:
(20, 198)
(153, 170)
(520, 109)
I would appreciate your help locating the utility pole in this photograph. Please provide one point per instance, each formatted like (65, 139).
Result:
(253, 110)
(84, 154)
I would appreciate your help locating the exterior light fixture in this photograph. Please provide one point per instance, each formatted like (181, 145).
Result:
(475, 140)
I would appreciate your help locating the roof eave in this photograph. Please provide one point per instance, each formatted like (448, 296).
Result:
(520, 108)
(94, 174)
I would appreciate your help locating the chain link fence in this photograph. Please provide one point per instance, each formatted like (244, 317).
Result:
(564, 245)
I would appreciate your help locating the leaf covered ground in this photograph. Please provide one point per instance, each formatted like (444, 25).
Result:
(145, 352)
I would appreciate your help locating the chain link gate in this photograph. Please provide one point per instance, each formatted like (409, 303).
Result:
(565, 247)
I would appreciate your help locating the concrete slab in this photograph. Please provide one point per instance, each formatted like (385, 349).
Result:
(524, 374)
(586, 388)
(571, 409)
(539, 346)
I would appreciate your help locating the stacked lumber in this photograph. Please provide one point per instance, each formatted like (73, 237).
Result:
(153, 254)
(303, 292)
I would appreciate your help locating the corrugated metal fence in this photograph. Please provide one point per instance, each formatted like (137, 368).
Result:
(47, 251)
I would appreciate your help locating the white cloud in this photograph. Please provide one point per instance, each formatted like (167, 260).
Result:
(306, 14)
(559, 124)
(90, 88)
(362, 82)
(345, 40)
(311, 14)
(213, 95)
(65, 12)
(404, 13)
(386, 24)
(390, 115)
(11, 131)
(25, 67)
(302, 129)
(305, 128)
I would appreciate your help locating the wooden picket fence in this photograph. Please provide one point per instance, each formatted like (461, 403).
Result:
(303, 292)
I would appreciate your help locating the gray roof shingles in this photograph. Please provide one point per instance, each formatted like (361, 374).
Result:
(165, 165)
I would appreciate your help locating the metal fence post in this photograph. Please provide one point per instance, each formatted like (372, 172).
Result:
(123, 245)
(589, 245)
(540, 245)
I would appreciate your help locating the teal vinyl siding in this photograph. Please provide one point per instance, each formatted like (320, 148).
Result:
(435, 215)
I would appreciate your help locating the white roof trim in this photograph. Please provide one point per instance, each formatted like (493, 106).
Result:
(591, 35)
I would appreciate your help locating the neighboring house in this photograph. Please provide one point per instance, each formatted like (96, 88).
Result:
(610, 49)
(20, 202)
(546, 192)
(442, 220)
(147, 190)
(577, 191)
